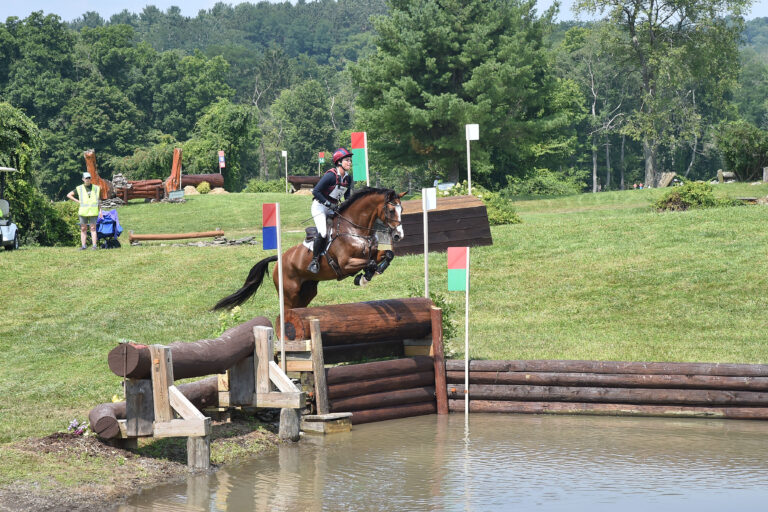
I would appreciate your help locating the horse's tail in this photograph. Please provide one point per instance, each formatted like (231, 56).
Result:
(252, 283)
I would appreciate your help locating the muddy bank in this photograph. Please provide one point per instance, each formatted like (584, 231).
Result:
(65, 472)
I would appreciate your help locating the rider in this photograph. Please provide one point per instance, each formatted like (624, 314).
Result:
(335, 183)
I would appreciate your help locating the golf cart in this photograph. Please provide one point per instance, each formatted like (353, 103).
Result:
(9, 236)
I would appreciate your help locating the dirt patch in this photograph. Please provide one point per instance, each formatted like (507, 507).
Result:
(66, 472)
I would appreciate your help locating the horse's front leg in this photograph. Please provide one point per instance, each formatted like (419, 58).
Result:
(375, 266)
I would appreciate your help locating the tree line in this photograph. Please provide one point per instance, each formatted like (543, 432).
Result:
(653, 87)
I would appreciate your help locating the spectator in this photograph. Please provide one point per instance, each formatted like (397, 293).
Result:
(88, 199)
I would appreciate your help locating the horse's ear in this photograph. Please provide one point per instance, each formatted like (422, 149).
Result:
(401, 195)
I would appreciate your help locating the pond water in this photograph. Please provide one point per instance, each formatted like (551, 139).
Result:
(502, 462)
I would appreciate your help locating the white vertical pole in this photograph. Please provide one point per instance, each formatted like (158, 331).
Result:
(466, 341)
(280, 286)
(469, 172)
(367, 155)
(285, 154)
(426, 242)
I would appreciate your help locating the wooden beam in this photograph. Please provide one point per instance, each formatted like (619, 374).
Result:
(183, 428)
(299, 366)
(162, 379)
(183, 406)
(264, 353)
(379, 369)
(439, 361)
(199, 452)
(380, 385)
(242, 383)
(277, 400)
(318, 367)
(174, 236)
(281, 380)
(139, 408)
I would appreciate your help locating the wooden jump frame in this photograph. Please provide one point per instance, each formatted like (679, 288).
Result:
(152, 403)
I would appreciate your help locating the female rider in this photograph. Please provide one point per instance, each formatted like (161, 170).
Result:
(335, 183)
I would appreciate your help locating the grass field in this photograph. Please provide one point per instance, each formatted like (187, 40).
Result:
(594, 276)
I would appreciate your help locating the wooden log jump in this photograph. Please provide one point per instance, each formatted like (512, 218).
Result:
(611, 387)
(214, 180)
(299, 182)
(202, 357)
(176, 236)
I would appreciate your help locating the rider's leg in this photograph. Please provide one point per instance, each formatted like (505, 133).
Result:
(319, 213)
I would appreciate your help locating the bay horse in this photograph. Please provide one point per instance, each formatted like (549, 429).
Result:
(352, 247)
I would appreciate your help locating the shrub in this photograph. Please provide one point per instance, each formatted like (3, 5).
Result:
(204, 187)
(693, 194)
(543, 182)
(500, 210)
(744, 148)
(256, 186)
(40, 221)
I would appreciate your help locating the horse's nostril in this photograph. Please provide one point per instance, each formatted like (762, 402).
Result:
(397, 238)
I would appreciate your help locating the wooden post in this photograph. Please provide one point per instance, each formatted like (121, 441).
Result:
(264, 351)
(139, 408)
(242, 382)
(199, 452)
(765, 174)
(438, 355)
(290, 420)
(162, 378)
(318, 366)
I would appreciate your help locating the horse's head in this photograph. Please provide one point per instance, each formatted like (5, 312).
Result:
(391, 214)
(368, 204)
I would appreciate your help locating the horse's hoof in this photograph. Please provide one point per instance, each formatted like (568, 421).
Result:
(360, 280)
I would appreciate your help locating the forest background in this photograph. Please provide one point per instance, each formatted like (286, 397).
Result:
(563, 107)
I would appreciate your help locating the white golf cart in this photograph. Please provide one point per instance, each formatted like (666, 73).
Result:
(9, 233)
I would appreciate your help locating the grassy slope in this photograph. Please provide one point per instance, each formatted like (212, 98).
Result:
(585, 277)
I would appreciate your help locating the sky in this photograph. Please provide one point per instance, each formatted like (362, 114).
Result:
(71, 9)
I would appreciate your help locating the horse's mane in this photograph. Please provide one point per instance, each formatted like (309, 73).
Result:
(364, 192)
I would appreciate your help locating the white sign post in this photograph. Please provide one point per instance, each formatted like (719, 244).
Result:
(285, 155)
(428, 202)
(280, 284)
(473, 133)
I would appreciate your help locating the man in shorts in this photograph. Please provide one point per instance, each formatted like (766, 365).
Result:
(88, 199)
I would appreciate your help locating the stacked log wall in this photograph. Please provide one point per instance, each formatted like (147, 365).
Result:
(611, 388)
(383, 390)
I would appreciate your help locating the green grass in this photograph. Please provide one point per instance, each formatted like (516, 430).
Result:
(594, 276)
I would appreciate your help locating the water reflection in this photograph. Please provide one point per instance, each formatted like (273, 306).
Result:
(506, 462)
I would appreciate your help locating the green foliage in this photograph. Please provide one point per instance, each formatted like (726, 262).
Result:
(450, 323)
(500, 210)
(229, 319)
(203, 187)
(39, 221)
(440, 65)
(256, 186)
(149, 162)
(744, 149)
(544, 182)
(693, 194)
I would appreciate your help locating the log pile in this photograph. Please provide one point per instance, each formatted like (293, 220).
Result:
(299, 182)
(383, 390)
(458, 221)
(612, 388)
(214, 180)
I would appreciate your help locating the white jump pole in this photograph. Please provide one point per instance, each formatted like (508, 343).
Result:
(285, 156)
(466, 343)
(280, 286)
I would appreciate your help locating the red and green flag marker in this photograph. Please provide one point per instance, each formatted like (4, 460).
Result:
(270, 215)
(458, 280)
(359, 146)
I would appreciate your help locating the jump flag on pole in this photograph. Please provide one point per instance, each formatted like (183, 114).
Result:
(269, 229)
(270, 213)
(458, 268)
(359, 146)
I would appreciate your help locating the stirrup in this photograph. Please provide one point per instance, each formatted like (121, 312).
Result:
(314, 266)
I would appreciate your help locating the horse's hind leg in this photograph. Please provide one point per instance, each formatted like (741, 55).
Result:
(307, 292)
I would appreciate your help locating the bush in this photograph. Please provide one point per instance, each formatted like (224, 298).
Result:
(204, 187)
(500, 210)
(693, 194)
(40, 221)
(256, 186)
(744, 148)
(543, 182)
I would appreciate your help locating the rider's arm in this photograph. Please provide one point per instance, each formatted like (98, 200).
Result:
(326, 181)
(349, 189)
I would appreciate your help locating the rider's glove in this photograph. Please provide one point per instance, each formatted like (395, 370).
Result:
(329, 204)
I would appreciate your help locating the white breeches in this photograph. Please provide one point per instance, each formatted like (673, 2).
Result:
(319, 213)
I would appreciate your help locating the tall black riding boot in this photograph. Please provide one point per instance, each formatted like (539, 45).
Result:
(314, 266)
